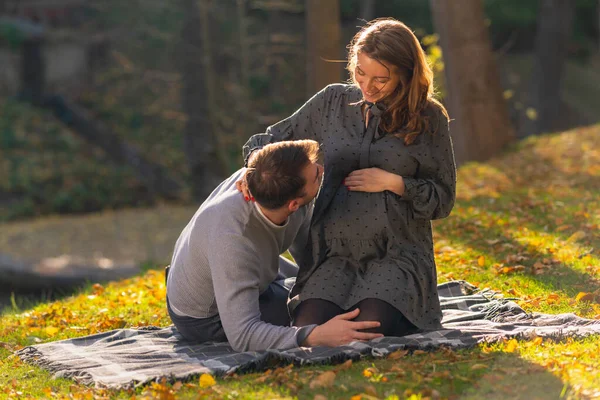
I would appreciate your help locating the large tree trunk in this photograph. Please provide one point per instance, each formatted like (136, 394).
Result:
(481, 126)
(323, 39)
(553, 32)
(200, 142)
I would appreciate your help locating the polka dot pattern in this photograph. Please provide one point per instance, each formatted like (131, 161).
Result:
(371, 245)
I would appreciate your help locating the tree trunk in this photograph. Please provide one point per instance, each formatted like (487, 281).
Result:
(33, 70)
(367, 10)
(323, 38)
(200, 144)
(553, 33)
(480, 126)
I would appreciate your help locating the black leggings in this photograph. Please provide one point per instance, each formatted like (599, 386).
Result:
(319, 311)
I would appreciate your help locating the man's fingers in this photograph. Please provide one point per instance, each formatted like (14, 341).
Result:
(365, 324)
(367, 335)
(349, 315)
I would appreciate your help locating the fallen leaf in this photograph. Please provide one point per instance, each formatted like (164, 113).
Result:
(476, 367)
(324, 380)
(206, 380)
(370, 390)
(397, 354)
(481, 261)
(583, 296)
(345, 365)
(51, 330)
(576, 236)
(319, 397)
(511, 346)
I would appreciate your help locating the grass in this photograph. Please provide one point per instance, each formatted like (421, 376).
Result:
(525, 224)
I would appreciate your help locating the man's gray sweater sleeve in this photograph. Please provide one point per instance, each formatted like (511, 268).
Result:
(234, 269)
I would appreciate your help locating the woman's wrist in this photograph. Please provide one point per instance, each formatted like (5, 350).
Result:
(396, 184)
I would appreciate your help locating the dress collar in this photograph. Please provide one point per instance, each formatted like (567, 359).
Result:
(376, 108)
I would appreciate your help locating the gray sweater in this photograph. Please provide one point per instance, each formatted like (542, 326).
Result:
(226, 256)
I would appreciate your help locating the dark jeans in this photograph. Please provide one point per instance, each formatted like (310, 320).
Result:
(273, 310)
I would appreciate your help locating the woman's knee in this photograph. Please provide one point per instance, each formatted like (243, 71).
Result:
(393, 322)
(315, 311)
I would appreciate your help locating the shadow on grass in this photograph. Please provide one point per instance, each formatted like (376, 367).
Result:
(17, 299)
(465, 374)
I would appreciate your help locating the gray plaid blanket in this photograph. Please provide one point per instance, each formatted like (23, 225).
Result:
(130, 357)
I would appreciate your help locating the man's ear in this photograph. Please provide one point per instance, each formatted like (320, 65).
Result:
(294, 205)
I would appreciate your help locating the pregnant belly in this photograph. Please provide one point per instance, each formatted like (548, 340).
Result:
(355, 216)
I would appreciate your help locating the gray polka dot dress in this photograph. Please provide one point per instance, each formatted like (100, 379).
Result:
(371, 245)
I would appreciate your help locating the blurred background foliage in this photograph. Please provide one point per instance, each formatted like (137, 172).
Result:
(45, 168)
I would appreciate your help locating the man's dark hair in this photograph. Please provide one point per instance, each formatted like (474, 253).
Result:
(274, 173)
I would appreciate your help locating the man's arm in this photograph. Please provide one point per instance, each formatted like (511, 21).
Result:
(234, 267)
(235, 271)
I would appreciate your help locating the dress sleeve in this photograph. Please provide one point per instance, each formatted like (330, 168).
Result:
(432, 191)
(305, 123)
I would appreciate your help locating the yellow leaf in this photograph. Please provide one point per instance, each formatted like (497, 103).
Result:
(356, 397)
(367, 373)
(537, 341)
(481, 261)
(475, 367)
(207, 380)
(324, 380)
(576, 236)
(583, 296)
(508, 94)
(511, 346)
(51, 330)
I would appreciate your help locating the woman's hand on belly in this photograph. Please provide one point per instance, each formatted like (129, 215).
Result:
(374, 180)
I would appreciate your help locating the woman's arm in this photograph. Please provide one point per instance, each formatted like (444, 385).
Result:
(433, 191)
(305, 123)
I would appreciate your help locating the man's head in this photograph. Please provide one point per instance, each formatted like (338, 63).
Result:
(285, 174)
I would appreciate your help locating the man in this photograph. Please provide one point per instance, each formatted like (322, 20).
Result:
(225, 280)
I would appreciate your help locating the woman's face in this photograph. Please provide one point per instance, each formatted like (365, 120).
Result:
(376, 79)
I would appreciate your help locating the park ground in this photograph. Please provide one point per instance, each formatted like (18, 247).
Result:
(525, 224)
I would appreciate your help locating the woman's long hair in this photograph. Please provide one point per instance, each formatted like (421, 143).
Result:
(392, 42)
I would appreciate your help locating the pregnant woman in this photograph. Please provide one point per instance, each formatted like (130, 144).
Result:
(389, 171)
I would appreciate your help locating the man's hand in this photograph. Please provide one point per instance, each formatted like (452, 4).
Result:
(374, 180)
(340, 330)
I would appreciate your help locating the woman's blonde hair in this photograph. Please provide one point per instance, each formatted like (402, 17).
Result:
(390, 41)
